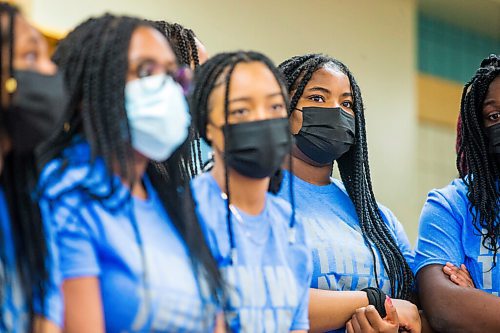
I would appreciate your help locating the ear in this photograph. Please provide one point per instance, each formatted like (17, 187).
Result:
(209, 133)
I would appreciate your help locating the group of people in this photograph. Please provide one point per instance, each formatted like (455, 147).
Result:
(112, 220)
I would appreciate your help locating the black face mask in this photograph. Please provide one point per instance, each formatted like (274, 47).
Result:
(326, 133)
(36, 109)
(493, 133)
(256, 149)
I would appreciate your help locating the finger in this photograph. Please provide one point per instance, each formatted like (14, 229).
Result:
(374, 317)
(464, 268)
(392, 314)
(364, 324)
(349, 327)
(449, 264)
(464, 276)
(447, 270)
(355, 324)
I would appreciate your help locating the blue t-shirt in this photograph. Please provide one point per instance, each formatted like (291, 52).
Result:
(14, 306)
(100, 233)
(341, 258)
(268, 284)
(446, 233)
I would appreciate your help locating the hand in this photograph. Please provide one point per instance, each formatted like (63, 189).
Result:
(220, 325)
(460, 276)
(409, 318)
(368, 320)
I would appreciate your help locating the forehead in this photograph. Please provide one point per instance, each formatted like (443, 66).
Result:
(330, 78)
(494, 89)
(147, 42)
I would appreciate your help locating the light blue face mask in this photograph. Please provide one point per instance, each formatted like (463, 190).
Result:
(158, 116)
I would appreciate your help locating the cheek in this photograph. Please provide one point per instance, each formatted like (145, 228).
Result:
(295, 122)
(216, 137)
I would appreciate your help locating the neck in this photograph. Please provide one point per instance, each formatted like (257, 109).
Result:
(248, 194)
(307, 170)
(139, 169)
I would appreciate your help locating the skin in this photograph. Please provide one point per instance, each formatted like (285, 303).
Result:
(148, 54)
(367, 320)
(202, 51)
(441, 295)
(30, 53)
(254, 95)
(328, 309)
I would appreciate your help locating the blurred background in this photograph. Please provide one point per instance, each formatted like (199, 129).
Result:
(411, 59)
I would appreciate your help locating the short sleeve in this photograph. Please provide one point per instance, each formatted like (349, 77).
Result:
(399, 234)
(301, 319)
(76, 247)
(440, 233)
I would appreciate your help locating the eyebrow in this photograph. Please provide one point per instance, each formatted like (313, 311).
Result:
(347, 94)
(489, 102)
(246, 99)
(322, 89)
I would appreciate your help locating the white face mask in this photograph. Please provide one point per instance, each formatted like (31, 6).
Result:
(158, 116)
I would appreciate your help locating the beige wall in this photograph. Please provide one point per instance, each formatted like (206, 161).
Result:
(376, 39)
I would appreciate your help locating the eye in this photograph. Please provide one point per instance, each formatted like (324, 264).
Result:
(31, 57)
(494, 116)
(317, 98)
(238, 112)
(145, 69)
(278, 107)
(347, 104)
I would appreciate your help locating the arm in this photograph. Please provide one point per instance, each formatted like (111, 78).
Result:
(443, 304)
(83, 306)
(329, 310)
(43, 325)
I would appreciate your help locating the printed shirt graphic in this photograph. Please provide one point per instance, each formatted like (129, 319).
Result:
(341, 259)
(14, 307)
(268, 285)
(97, 238)
(447, 234)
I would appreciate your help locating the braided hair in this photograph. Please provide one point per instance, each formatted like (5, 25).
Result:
(18, 180)
(94, 57)
(355, 172)
(183, 42)
(206, 79)
(478, 168)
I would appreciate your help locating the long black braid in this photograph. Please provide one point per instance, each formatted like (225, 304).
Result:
(206, 79)
(18, 180)
(183, 42)
(478, 168)
(355, 172)
(94, 58)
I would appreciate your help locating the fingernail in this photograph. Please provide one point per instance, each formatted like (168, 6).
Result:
(448, 269)
(453, 276)
(389, 300)
(449, 264)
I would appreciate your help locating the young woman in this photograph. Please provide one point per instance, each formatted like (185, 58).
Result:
(459, 223)
(239, 105)
(133, 257)
(32, 104)
(357, 244)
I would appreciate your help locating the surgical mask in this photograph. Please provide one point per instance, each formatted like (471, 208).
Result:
(326, 133)
(256, 149)
(493, 133)
(36, 110)
(158, 116)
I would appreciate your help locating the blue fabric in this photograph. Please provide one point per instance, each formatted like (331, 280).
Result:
(269, 282)
(102, 237)
(341, 259)
(14, 307)
(446, 233)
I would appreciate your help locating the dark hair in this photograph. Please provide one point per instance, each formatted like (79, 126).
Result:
(94, 57)
(355, 172)
(183, 42)
(18, 179)
(476, 165)
(207, 77)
